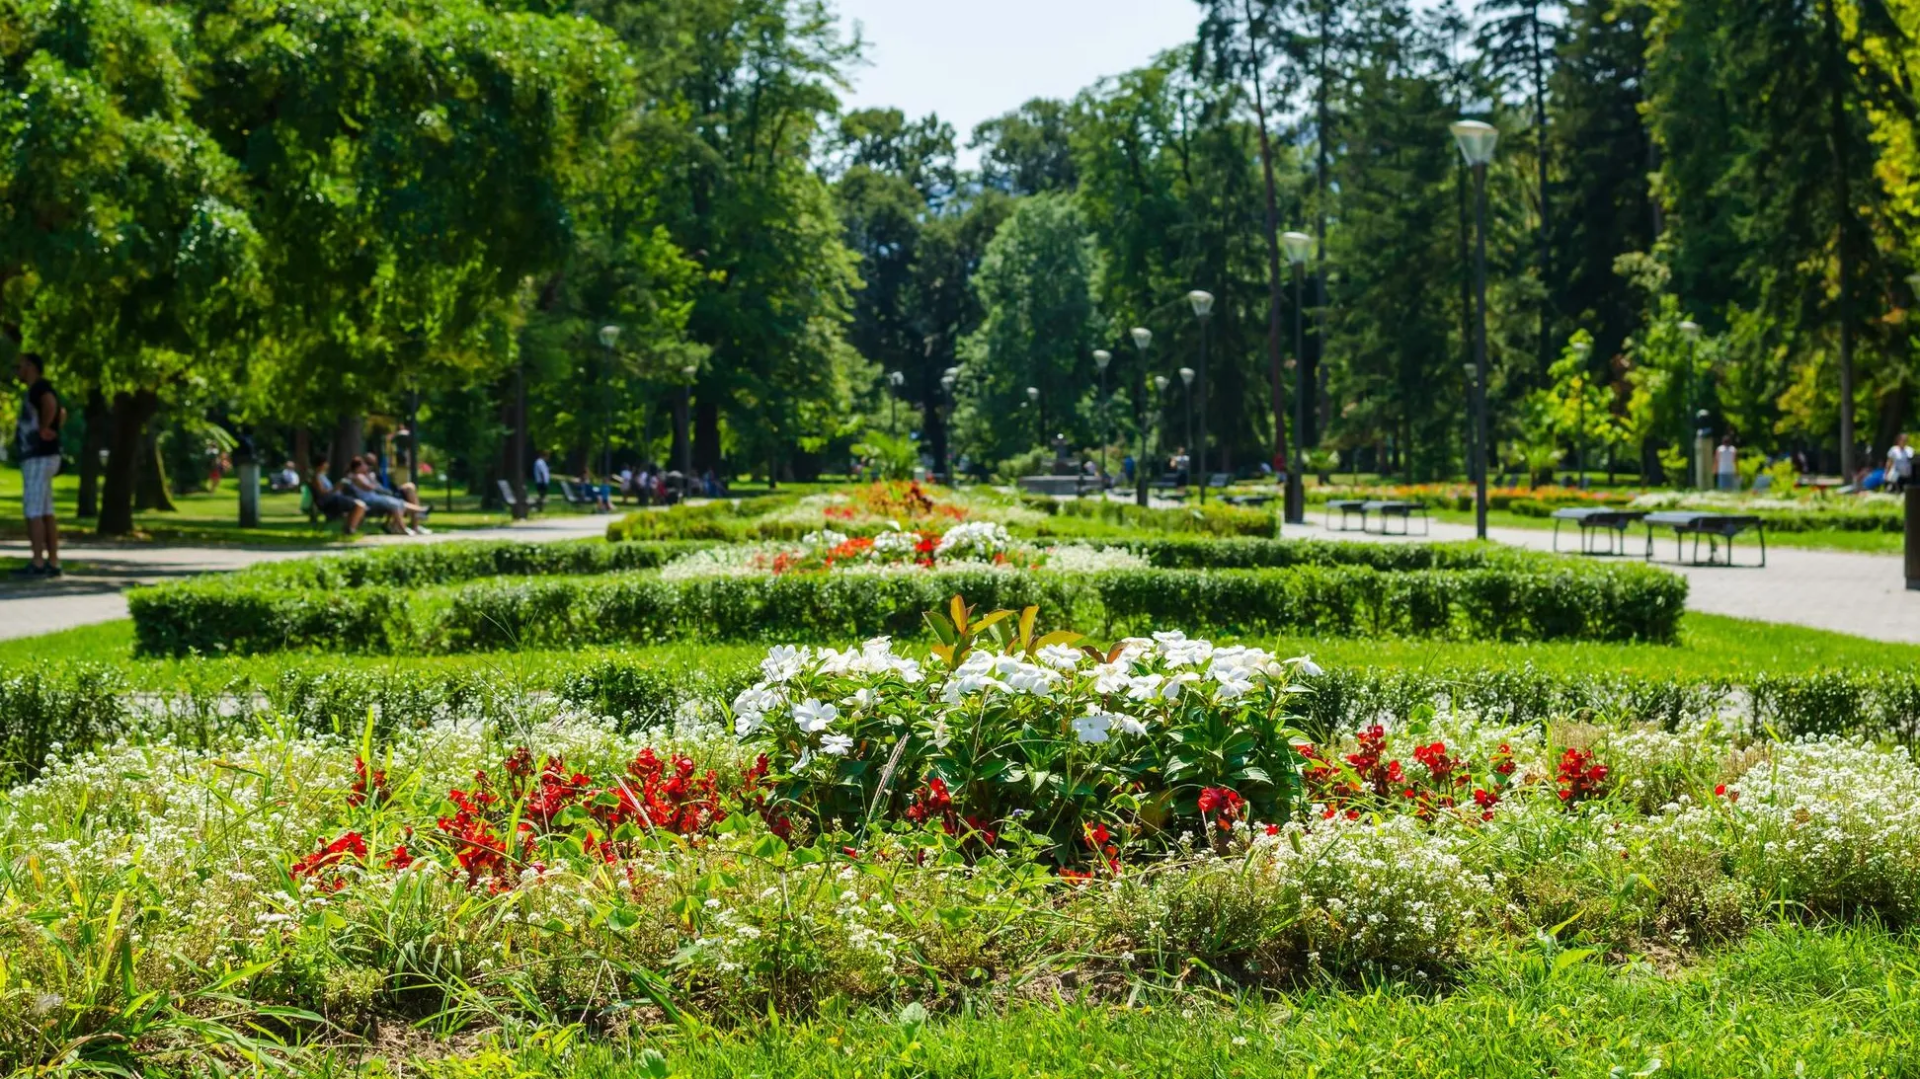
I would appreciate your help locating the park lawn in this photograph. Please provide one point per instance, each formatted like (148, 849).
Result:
(213, 517)
(1835, 1001)
(1831, 539)
(1710, 646)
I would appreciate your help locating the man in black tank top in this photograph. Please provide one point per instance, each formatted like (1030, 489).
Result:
(37, 442)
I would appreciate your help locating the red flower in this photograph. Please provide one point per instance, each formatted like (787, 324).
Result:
(1579, 777)
(321, 864)
(1223, 804)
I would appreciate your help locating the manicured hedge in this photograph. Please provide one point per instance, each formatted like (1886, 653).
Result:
(1194, 552)
(1212, 518)
(80, 705)
(446, 563)
(1507, 598)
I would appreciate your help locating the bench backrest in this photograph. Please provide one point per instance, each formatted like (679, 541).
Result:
(506, 493)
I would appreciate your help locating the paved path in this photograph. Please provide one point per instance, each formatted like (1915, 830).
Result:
(1861, 594)
(94, 590)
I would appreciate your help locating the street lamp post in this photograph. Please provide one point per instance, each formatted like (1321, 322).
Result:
(1299, 249)
(609, 336)
(1473, 436)
(1203, 310)
(1142, 338)
(1186, 398)
(1039, 421)
(686, 427)
(1691, 331)
(1582, 349)
(947, 380)
(895, 380)
(1477, 141)
(1101, 358)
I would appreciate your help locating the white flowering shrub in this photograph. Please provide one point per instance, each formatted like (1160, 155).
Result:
(1388, 891)
(974, 541)
(993, 730)
(1831, 825)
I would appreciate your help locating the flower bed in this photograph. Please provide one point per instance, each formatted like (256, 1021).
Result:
(975, 545)
(881, 824)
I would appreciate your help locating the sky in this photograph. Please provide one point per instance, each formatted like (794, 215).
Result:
(972, 60)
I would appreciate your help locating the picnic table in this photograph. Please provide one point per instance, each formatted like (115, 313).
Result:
(1613, 523)
(1405, 511)
(1714, 526)
(1347, 507)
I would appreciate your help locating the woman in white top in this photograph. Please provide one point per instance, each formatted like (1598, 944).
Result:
(1899, 464)
(1726, 464)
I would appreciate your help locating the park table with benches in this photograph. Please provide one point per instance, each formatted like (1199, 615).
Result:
(1714, 526)
(1384, 509)
(1606, 520)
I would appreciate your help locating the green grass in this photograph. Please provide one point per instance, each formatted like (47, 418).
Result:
(214, 517)
(1710, 645)
(1821, 540)
(1788, 1002)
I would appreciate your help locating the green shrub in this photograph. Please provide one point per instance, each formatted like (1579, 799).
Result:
(446, 563)
(1213, 518)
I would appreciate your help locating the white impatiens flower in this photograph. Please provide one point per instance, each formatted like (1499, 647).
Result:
(836, 745)
(814, 716)
(975, 541)
(751, 707)
(1111, 677)
(1061, 657)
(1307, 666)
(1145, 687)
(784, 662)
(1092, 728)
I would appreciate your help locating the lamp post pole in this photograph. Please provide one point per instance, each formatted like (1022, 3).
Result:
(1582, 349)
(1186, 406)
(1477, 140)
(947, 380)
(895, 380)
(1142, 338)
(609, 336)
(686, 426)
(1691, 331)
(1101, 358)
(1299, 247)
(1203, 310)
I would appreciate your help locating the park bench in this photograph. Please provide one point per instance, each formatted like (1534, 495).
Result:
(571, 494)
(1714, 526)
(507, 499)
(1405, 511)
(1613, 523)
(1347, 507)
(1059, 486)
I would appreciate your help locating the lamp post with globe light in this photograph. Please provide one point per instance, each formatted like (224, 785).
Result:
(1582, 350)
(1142, 340)
(609, 337)
(895, 380)
(1477, 140)
(1299, 247)
(948, 379)
(1186, 395)
(1101, 358)
(1039, 419)
(1202, 302)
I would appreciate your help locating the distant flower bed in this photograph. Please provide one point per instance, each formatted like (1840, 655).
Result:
(1461, 495)
(971, 545)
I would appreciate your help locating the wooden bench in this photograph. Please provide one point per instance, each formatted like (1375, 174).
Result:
(572, 495)
(1714, 526)
(1059, 486)
(507, 499)
(1347, 507)
(1405, 511)
(1613, 523)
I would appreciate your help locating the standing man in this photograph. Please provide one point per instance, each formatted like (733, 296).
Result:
(542, 475)
(1900, 465)
(39, 444)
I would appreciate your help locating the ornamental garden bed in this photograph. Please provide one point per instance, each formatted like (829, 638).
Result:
(928, 827)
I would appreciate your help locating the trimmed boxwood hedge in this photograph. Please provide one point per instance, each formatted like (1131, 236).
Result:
(80, 705)
(1507, 598)
(445, 563)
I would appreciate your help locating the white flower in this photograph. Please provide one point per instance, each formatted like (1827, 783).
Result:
(813, 716)
(1145, 687)
(1126, 724)
(751, 706)
(1307, 666)
(783, 662)
(836, 745)
(1092, 728)
(1111, 677)
(1061, 657)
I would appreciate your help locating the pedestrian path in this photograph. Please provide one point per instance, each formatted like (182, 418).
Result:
(1861, 594)
(94, 587)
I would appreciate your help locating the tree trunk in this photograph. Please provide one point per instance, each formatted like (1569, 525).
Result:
(349, 437)
(1274, 285)
(98, 419)
(706, 436)
(302, 454)
(1843, 214)
(129, 417)
(150, 491)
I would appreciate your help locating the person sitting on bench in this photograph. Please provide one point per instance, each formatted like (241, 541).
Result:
(332, 502)
(287, 479)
